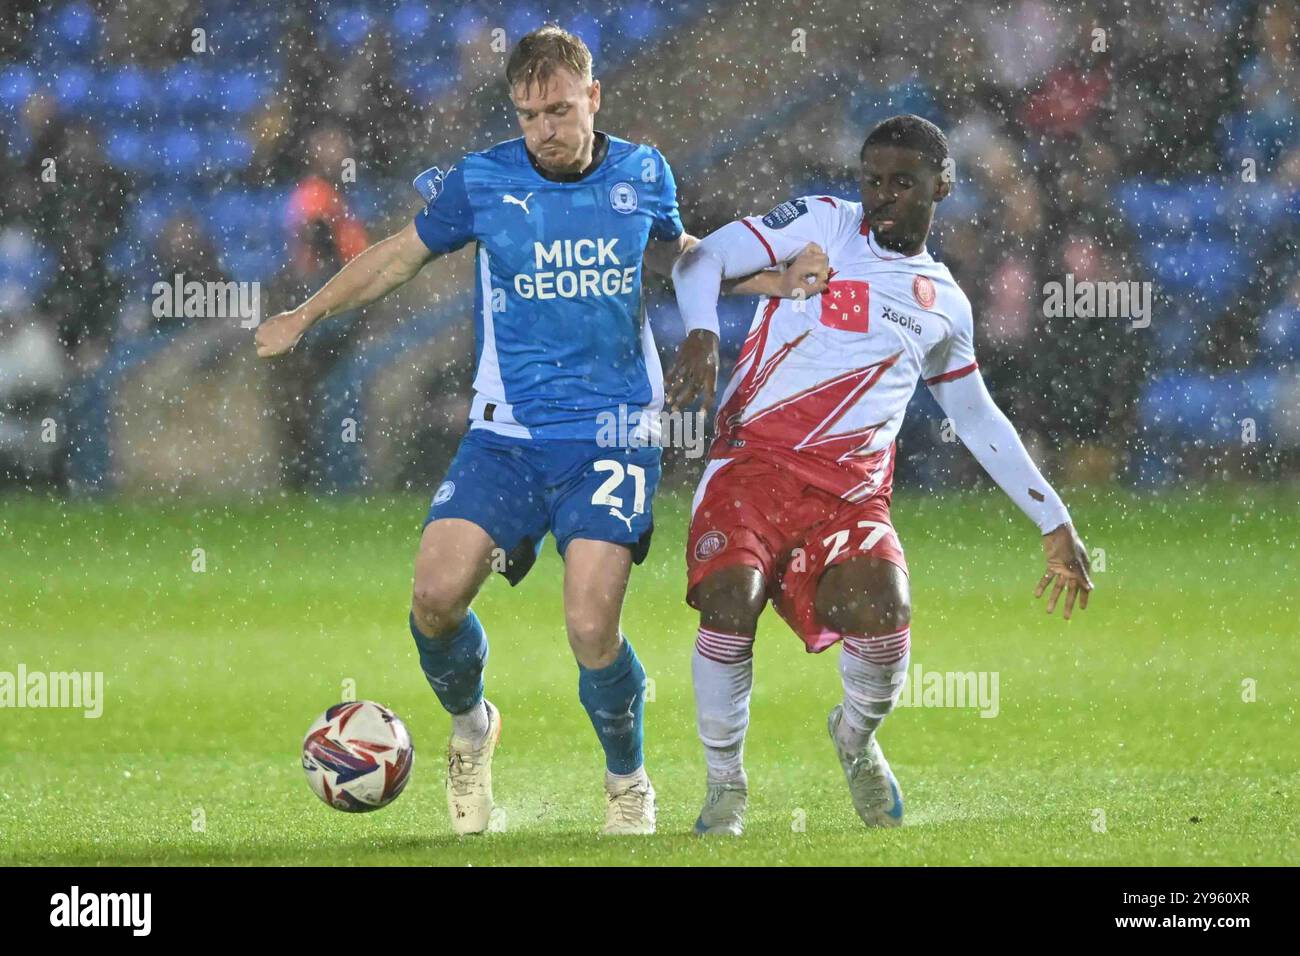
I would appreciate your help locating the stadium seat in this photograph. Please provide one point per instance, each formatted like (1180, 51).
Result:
(17, 83)
(66, 33)
(1179, 333)
(185, 90)
(26, 269)
(1207, 407)
(430, 80)
(73, 85)
(149, 213)
(128, 259)
(521, 18)
(1210, 268)
(181, 152)
(411, 23)
(130, 91)
(129, 149)
(1279, 334)
(1178, 405)
(1268, 206)
(1189, 205)
(369, 200)
(589, 29)
(231, 211)
(348, 28)
(242, 216)
(77, 26)
(255, 42)
(227, 151)
(868, 106)
(253, 263)
(1257, 135)
(242, 93)
(639, 23)
(468, 23)
(845, 187)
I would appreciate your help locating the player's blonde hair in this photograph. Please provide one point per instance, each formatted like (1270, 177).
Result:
(537, 55)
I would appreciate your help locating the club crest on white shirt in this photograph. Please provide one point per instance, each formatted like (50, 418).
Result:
(923, 290)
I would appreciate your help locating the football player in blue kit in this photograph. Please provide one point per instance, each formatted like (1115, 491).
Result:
(562, 219)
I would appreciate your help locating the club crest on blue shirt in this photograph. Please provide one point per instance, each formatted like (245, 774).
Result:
(785, 214)
(429, 183)
(623, 198)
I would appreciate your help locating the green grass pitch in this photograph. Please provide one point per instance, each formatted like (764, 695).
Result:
(1123, 737)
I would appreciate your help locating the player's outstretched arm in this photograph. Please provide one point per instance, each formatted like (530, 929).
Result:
(370, 276)
(661, 254)
(993, 440)
(806, 276)
(802, 278)
(1068, 566)
(698, 277)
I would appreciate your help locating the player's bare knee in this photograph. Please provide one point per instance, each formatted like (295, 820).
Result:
(593, 639)
(731, 600)
(438, 605)
(869, 599)
(867, 614)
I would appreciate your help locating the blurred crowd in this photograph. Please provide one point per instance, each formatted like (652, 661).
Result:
(1110, 141)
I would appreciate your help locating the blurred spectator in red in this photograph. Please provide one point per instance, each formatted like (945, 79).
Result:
(324, 235)
(1067, 101)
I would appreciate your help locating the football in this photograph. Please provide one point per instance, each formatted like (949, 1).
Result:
(357, 756)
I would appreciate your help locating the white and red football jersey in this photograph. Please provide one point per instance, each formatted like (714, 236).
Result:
(823, 384)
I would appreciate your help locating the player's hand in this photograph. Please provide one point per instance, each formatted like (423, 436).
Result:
(1068, 566)
(808, 275)
(280, 333)
(694, 374)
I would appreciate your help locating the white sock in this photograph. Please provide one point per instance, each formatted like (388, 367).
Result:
(872, 670)
(722, 667)
(471, 725)
(618, 782)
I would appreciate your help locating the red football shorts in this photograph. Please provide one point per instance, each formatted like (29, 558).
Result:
(754, 513)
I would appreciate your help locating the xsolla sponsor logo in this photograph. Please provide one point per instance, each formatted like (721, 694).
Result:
(908, 322)
(103, 909)
(562, 281)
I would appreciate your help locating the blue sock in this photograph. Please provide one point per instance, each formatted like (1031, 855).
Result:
(615, 700)
(453, 663)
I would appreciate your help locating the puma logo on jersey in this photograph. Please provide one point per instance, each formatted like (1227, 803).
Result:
(623, 518)
(522, 203)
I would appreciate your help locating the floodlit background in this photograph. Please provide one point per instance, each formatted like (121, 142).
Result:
(1140, 143)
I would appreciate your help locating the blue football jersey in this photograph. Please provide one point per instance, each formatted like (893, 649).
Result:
(562, 339)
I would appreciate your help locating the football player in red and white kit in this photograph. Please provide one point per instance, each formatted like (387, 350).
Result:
(794, 503)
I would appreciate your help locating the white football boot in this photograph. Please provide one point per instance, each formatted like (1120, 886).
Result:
(630, 807)
(469, 777)
(872, 785)
(724, 809)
